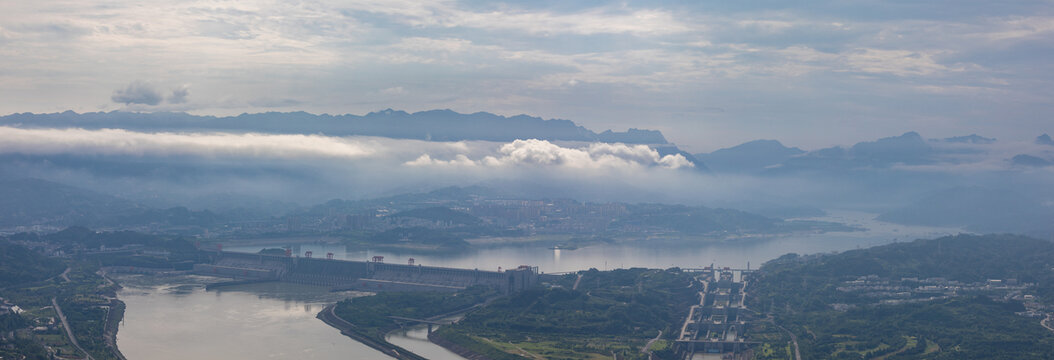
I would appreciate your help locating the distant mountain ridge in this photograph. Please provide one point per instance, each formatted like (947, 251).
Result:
(984, 210)
(435, 125)
(1044, 140)
(29, 202)
(752, 156)
(773, 158)
(968, 139)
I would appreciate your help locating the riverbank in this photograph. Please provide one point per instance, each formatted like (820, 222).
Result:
(114, 315)
(374, 320)
(328, 316)
(175, 318)
(113, 320)
(455, 348)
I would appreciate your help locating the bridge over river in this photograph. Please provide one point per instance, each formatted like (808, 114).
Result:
(361, 275)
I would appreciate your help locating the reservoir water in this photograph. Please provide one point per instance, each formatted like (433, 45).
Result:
(175, 318)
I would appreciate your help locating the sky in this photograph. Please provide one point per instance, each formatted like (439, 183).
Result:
(709, 74)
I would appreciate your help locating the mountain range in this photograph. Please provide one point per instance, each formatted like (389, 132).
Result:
(435, 125)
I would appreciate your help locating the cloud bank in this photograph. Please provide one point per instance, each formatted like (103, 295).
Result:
(124, 142)
(534, 152)
(314, 168)
(519, 153)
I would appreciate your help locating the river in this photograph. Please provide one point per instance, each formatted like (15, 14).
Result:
(174, 318)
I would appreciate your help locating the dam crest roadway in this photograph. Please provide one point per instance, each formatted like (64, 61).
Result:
(372, 276)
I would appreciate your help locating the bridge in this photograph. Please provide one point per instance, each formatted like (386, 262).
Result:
(430, 323)
(370, 276)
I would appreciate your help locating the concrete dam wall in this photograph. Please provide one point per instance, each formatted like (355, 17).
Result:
(362, 275)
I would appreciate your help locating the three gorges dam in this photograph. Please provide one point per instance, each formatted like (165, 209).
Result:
(372, 276)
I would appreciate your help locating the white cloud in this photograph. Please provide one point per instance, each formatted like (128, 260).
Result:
(1021, 27)
(534, 152)
(124, 142)
(603, 65)
(896, 62)
(427, 160)
(599, 21)
(395, 90)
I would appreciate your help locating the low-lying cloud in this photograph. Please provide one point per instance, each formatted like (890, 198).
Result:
(124, 142)
(314, 168)
(544, 153)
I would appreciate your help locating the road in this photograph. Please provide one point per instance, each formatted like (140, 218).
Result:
(69, 331)
(648, 345)
(66, 274)
(794, 339)
(1046, 323)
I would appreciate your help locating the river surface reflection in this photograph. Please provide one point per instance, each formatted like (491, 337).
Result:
(174, 318)
(734, 253)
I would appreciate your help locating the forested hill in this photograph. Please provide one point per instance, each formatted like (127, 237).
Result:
(20, 265)
(955, 297)
(962, 257)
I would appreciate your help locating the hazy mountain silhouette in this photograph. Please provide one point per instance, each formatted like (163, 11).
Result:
(438, 125)
(908, 148)
(978, 209)
(28, 201)
(749, 157)
(969, 139)
(1044, 140)
(34, 202)
(1029, 160)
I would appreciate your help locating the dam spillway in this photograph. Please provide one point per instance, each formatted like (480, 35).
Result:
(370, 276)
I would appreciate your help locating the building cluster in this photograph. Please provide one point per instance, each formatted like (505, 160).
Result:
(56, 249)
(528, 216)
(41, 325)
(911, 289)
(9, 308)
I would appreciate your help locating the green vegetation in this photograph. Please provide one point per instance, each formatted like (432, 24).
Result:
(401, 222)
(970, 327)
(121, 248)
(440, 214)
(31, 280)
(696, 220)
(611, 312)
(810, 283)
(19, 265)
(84, 302)
(370, 314)
(799, 291)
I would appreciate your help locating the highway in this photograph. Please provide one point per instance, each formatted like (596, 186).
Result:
(69, 331)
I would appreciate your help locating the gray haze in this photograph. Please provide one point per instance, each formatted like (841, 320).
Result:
(904, 176)
(709, 74)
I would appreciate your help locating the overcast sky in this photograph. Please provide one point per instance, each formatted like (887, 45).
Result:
(708, 74)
